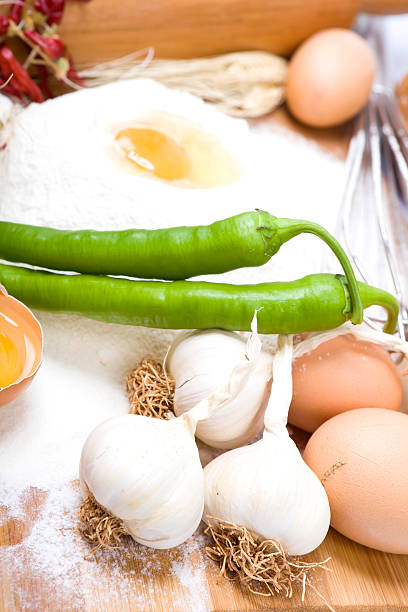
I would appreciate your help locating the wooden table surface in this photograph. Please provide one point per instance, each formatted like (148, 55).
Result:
(183, 579)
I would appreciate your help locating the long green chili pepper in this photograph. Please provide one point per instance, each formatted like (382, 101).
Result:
(313, 303)
(245, 240)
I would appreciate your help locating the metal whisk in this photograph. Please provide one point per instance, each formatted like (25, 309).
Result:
(378, 160)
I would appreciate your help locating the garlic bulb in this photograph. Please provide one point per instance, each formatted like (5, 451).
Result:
(267, 487)
(147, 471)
(202, 362)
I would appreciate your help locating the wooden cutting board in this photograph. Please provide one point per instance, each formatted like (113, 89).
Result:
(183, 579)
(361, 580)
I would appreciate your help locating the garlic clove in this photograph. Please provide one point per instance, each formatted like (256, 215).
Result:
(203, 362)
(200, 362)
(146, 472)
(268, 489)
(239, 420)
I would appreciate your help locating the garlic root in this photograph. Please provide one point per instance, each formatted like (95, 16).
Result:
(262, 566)
(151, 391)
(98, 526)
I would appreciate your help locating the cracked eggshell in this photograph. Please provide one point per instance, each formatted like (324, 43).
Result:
(361, 457)
(21, 317)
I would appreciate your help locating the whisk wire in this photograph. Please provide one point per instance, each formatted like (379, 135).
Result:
(371, 127)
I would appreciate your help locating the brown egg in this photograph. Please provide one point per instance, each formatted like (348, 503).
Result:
(330, 77)
(403, 372)
(361, 457)
(342, 374)
(21, 346)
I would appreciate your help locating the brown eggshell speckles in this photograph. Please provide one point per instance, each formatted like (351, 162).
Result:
(19, 313)
(361, 457)
(342, 374)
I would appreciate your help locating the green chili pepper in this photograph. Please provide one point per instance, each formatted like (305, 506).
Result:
(248, 239)
(313, 303)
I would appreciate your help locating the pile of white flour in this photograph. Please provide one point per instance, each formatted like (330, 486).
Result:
(82, 379)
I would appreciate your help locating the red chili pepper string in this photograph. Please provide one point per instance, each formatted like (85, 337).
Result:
(44, 76)
(31, 26)
(52, 8)
(9, 89)
(73, 75)
(4, 25)
(22, 81)
(15, 12)
(52, 45)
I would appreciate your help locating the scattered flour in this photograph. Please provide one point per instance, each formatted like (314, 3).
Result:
(54, 554)
(82, 379)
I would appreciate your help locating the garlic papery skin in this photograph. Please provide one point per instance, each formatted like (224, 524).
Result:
(146, 472)
(202, 362)
(360, 332)
(267, 487)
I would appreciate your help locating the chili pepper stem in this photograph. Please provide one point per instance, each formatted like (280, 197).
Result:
(372, 296)
(289, 228)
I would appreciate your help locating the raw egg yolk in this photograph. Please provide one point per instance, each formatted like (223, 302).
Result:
(174, 150)
(154, 151)
(11, 362)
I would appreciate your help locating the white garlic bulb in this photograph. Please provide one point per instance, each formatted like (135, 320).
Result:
(202, 362)
(267, 487)
(147, 472)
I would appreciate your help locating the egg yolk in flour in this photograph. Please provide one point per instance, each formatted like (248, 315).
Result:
(155, 152)
(176, 151)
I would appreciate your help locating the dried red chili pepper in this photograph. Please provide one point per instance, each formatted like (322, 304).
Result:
(15, 12)
(4, 25)
(52, 45)
(44, 76)
(30, 26)
(7, 87)
(22, 81)
(73, 75)
(53, 9)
